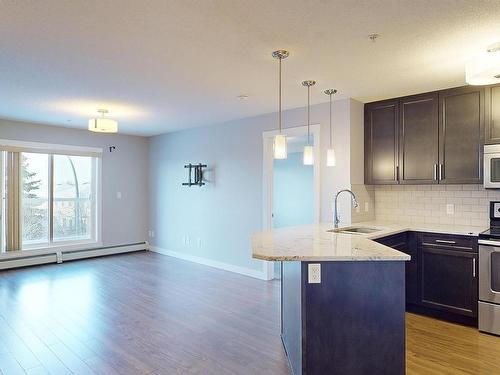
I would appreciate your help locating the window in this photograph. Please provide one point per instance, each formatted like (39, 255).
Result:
(49, 195)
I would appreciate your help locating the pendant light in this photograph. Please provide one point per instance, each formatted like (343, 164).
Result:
(330, 153)
(308, 149)
(102, 124)
(279, 143)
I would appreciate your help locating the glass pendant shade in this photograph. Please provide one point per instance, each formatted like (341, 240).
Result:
(279, 146)
(308, 155)
(331, 160)
(103, 125)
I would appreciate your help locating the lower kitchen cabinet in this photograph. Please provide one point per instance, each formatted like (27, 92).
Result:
(449, 280)
(406, 243)
(442, 275)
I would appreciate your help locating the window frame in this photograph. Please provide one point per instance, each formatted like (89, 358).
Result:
(66, 150)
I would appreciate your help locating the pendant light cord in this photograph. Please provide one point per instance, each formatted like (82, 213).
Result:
(308, 119)
(279, 95)
(331, 130)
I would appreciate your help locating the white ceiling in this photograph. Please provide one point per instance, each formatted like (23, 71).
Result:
(164, 65)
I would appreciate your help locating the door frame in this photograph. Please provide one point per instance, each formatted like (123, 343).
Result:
(267, 177)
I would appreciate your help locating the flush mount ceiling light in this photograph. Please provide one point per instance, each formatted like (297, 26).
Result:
(279, 143)
(330, 153)
(308, 149)
(484, 69)
(102, 124)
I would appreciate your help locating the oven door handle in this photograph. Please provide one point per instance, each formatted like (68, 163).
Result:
(489, 243)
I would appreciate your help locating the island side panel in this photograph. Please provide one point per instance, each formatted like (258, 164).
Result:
(291, 314)
(355, 319)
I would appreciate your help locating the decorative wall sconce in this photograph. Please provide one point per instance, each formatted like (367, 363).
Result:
(195, 176)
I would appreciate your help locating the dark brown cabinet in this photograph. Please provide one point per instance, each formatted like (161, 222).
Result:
(449, 280)
(381, 142)
(448, 268)
(461, 129)
(442, 276)
(492, 109)
(406, 243)
(418, 139)
(429, 138)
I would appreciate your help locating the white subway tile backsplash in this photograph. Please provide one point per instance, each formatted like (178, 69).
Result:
(427, 203)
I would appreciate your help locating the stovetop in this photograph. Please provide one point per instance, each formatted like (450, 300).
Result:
(492, 233)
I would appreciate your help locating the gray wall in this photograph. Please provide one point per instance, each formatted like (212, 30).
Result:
(216, 221)
(124, 170)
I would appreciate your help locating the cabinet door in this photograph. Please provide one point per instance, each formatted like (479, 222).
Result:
(461, 138)
(492, 114)
(406, 243)
(449, 280)
(418, 136)
(381, 142)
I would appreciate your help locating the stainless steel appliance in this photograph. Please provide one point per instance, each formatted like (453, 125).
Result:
(492, 166)
(489, 274)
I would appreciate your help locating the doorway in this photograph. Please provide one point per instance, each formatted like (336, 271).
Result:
(291, 189)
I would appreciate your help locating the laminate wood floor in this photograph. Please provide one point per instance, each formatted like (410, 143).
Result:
(145, 313)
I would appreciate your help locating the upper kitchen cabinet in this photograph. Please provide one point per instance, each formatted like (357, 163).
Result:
(432, 138)
(418, 139)
(461, 135)
(492, 109)
(381, 142)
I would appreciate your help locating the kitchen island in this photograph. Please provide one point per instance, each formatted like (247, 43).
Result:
(348, 318)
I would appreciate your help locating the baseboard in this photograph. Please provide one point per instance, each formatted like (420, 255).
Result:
(32, 258)
(211, 263)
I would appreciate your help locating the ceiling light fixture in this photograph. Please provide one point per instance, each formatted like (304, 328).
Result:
(279, 143)
(308, 156)
(330, 153)
(484, 69)
(102, 124)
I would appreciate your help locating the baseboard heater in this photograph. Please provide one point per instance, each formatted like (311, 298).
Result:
(32, 258)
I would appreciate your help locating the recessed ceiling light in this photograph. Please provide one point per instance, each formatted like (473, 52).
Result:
(242, 97)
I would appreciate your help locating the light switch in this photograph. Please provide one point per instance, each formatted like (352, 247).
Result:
(118, 195)
(366, 207)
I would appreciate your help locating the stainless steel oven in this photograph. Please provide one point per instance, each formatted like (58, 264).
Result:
(492, 166)
(489, 274)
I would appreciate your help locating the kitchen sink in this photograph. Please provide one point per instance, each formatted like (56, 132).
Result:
(356, 230)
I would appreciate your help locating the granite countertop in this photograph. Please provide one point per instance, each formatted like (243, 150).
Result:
(315, 243)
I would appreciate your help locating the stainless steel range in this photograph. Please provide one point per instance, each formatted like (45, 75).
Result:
(489, 274)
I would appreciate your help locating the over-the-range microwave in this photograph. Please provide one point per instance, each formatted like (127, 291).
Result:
(492, 166)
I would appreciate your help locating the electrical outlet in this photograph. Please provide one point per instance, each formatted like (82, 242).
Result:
(450, 209)
(314, 273)
(367, 208)
(118, 195)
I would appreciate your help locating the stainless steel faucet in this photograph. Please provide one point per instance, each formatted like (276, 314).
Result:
(336, 218)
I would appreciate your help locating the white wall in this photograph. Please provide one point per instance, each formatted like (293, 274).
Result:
(220, 217)
(126, 170)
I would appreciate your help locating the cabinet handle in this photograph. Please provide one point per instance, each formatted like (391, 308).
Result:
(435, 172)
(473, 267)
(397, 172)
(440, 172)
(446, 241)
